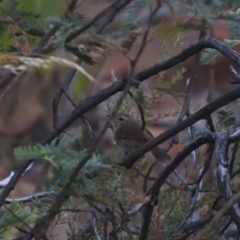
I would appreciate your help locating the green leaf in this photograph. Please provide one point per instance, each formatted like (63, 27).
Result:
(31, 27)
(211, 54)
(226, 118)
(235, 28)
(134, 11)
(127, 44)
(36, 152)
(49, 152)
(14, 216)
(76, 17)
(203, 10)
(70, 137)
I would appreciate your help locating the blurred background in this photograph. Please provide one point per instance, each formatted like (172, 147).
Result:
(26, 105)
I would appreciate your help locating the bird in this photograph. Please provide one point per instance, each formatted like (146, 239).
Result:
(130, 136)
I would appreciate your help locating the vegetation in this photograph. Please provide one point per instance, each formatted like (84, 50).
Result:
(105, 183)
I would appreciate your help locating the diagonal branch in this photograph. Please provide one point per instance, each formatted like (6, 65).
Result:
(215, 220)
(54, 29)
(90, 103)
(113, 9)
(223, 175)
(203, 113)
(154, 190)
(114, 5)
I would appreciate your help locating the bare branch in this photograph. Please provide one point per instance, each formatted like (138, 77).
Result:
(235, 79)
(114, 5)
(223, 175)
(202, 233)
(106, 93)
(28, 198)
(54, 29)
(203, 113)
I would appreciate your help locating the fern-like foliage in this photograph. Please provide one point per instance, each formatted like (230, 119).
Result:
(76, 18)
(226, 118)
(211, 54)
(31, 27)
(235, 29)
(187, 136)
(73, 20)
(67, 25)
(229, 16)
(127, 43)
(135, 9)
(50, 152)
(64, 160)
(129, 23)
(203, 10)
(29, 152)
(14, 216)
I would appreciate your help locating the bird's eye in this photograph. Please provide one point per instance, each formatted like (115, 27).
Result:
(121, 118)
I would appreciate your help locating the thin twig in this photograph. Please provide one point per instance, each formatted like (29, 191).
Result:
(95, 227)
(153, 192)
(218, 216)
(212, 80)
(54, 29)
(203, 113)
(90, 130)
(147, 176)
(42, 225)
(190, 83)
(91, 102)
(113, 9)
(102, 14)
(235, 79)
(18, 218)
(233, 157)
(140, 110)
(197, 191)
(223, 175)
(28, 198)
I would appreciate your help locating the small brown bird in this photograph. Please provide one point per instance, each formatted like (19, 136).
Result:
(129, 136)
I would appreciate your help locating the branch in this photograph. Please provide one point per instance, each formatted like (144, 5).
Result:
(233, 157)
(214, 222)
(95, 228)
(203, 113)
(54, 29)
(28, 198)
(90, 103)
(25, 165)
(113, 9)
(190, 212)
(235, 79)
(103, 13)
(190, 84)
(145, 181)
(154, 190)
(223, 175)
(43, 224)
